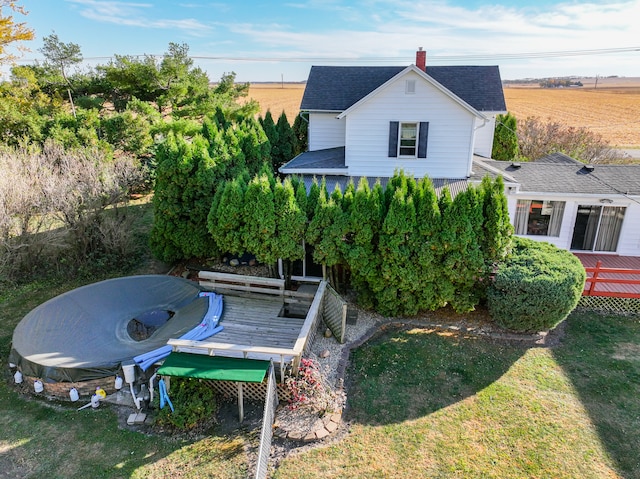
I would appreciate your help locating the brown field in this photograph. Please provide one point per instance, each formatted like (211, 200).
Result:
(277, 97)
(612, 109)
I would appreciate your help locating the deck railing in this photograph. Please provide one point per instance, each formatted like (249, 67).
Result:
(268, 417)
(630, 278)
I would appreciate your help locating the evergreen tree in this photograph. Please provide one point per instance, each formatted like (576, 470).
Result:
(254, 145)
(462, 260)
(505, 138)
(301, 194)
(260, 221)
(396, 292)
(425, 245)
(364, 228)
(269, 128)
(283, 150)
(300, 131)
(290, 226)
(312, 198)
(326, 232)
(184, 192)
(497, 226)
(225, 222)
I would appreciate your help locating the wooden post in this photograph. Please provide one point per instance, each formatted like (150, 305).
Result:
(240, 402)
(594, 279)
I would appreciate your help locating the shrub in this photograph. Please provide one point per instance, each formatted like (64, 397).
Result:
(537, 138)
(194, 403)
(310, 388)
(536, 287)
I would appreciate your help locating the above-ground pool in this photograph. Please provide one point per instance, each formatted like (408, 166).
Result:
(88, 332)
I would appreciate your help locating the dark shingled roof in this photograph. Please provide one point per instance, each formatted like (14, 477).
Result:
(318, 159)
(572, 178)
(336, 88)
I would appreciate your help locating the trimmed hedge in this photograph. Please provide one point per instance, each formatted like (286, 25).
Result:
(536, 287)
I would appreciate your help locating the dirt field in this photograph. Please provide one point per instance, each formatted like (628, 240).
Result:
(611, 110)
(277, 97)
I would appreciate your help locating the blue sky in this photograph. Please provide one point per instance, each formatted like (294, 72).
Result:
(270, 41)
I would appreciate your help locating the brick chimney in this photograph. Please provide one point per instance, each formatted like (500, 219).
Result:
(421, 59)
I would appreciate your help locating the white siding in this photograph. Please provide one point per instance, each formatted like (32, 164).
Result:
(450, 141)
(629, 242)
(325, 131)
(484, 136)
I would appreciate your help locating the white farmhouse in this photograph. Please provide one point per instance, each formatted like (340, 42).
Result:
(439, 121)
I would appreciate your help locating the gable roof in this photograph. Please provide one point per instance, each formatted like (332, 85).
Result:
(336, 88)
(435, 84)
(565, 177)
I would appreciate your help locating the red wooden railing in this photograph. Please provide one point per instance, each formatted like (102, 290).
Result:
(629, 287)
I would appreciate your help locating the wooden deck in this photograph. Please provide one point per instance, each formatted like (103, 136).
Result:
(257, 322)
(589, 260)
(254, 322)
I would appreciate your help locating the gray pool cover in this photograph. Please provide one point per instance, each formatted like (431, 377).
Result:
(82, 334)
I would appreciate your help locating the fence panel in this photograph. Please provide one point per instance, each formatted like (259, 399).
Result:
(334, 313)
(270, 405)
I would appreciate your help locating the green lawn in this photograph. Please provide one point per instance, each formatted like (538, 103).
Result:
(424, 404)
(421, 404)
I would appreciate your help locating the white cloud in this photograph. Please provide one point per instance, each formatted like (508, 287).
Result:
(135, 15)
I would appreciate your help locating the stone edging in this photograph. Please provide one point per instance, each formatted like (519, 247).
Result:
(323, 427)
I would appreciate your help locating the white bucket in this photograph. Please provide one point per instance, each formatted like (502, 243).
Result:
(17, 377)
(129, 370)
(118, 383)
(38, 386)
(73, 394)
(95, 401)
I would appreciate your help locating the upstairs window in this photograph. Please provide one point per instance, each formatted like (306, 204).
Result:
(408, 139)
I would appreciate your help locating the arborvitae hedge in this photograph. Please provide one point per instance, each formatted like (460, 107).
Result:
(536, 287)
(189, 172)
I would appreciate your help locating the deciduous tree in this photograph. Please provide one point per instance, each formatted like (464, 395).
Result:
(11, 32)
(60, 56)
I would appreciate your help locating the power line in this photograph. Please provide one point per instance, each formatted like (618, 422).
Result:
(399, 59)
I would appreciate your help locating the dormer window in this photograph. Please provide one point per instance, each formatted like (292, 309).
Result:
(408, 139)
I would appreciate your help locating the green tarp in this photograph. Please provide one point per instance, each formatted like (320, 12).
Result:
(218, 368)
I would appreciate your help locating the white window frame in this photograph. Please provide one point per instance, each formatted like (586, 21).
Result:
(415, 124)
(554, 209)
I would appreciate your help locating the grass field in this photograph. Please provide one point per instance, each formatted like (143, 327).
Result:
(429, 405)
(611, 110)
(421, 404)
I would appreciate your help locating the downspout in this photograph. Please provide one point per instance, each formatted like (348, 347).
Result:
(485, 120)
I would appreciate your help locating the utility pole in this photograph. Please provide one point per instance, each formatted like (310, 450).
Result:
(596, 85)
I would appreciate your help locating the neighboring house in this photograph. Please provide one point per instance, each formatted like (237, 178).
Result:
(439, 121)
